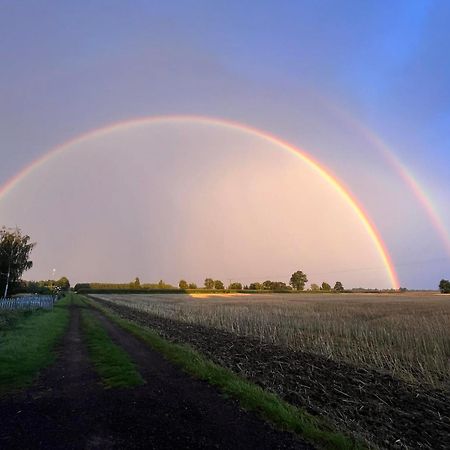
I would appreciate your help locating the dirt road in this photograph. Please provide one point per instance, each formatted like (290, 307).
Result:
(68, 408)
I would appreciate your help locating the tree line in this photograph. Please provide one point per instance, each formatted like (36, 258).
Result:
(16, 247)
(44, 287)
(297, 282)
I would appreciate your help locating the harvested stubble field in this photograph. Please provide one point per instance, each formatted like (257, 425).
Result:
(407, 335)
(376, 365)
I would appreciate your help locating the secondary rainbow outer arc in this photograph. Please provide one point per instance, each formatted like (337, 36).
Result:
(324, 173)
(415, 187)
(408, 178)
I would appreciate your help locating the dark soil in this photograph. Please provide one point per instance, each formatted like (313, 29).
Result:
(374, 406)
(68, 408)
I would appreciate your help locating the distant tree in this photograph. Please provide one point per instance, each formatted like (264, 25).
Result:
(63, 284)
(235, 286)
(325, 287)
(298, 280)
(137, 282)
(15, 249)
(209, 283)
(267, 285)
(403, 289)
(444, 286)
(338, 287)
(34, 287)
(256, 286)
(218, 284)
(80, 286)
(315, 287)
(192, 286)
(183, 284)
(245, 287)
(280, 286)
(161, 284)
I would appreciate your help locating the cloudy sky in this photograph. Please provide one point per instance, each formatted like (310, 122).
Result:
(362, 87)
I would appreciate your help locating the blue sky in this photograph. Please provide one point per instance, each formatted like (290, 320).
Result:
(296, 69)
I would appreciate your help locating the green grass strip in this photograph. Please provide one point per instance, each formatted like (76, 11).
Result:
(28, 345)
(111, 362)
(9, 319)
(252, 397)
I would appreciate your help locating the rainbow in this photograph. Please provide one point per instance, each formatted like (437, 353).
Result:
(413, 185)
(399, 167)
(319, 169)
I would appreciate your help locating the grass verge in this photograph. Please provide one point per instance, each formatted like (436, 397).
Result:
(111, 362)
(251, 397)
(8, 319)
(27, 345)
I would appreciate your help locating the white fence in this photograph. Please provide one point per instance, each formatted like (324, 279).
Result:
(28, 302)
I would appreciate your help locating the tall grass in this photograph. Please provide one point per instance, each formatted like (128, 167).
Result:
(409, 336)
(27, 344)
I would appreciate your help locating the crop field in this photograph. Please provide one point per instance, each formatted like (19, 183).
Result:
(375, 365)
(406, 335)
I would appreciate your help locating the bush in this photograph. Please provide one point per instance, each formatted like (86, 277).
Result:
(444, 286)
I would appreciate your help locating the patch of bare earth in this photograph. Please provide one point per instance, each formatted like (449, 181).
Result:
(377, 407)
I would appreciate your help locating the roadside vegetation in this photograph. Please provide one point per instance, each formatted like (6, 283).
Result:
(8, 318)
(27, 343)
(111, 362)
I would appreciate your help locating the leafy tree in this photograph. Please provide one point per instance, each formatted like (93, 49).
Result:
(34, 287)
(163, 285)
(444, 286)
(209, 283)
(298, 280)
(192, 286)
(137, 282)
(15, 249)
(218, 284)
(183, 284)
(314, 287)
(63, 283)
(325, 287)
(235, 286)
(256, 286)
(279, 286)
(338, 287)
(267, 285)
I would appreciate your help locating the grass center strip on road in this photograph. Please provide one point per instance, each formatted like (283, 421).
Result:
(111, 362)
(28, 345)
(251, 397)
